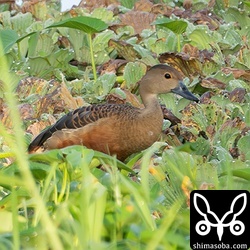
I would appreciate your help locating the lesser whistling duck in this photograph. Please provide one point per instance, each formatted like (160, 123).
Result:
(117, 129)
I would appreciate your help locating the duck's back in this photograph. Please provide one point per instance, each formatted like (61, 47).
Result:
(100, 127)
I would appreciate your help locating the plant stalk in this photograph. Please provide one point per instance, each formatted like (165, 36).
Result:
(92, 56)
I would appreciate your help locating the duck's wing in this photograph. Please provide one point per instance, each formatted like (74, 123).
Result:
(76, 119)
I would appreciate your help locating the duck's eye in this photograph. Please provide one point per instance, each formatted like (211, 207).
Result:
(167, 75)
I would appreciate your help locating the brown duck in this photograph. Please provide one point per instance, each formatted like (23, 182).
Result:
(117, 129)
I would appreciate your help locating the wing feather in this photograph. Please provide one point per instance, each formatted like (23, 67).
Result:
(80, 118)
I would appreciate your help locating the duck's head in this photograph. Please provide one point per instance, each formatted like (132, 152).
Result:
(162, 79)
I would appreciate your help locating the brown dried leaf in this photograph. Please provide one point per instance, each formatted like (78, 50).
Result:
(167, 114)
(237, 95)
(38, 126)
(206, 186)
(187, 4)
(234, 152)
(139, 20)
(170, 137)
(37, 8)
(193, 52)
(130, 98)
(1, 107)
(46, 96)
(212, 83)
(125, 50)
(205, 17)
(235, 123)
(115, 99)
(211, 3)
(92, 4)
(186, 134)
(79, 101)
(26, 113)
(188, 112)
(206, 97)
(112, 66)
(190, 51)
(56, 102)
(33, 86)
(189, 66)
(202, 17)
(161, 9)
(143, 5)
(63, 42)
(237, 73)
(210, 130)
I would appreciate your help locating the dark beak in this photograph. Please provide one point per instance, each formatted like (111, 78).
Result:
(183, 91)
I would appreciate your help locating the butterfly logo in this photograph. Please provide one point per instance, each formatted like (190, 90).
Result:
(236, 227)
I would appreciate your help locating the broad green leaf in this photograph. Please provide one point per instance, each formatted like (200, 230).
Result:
(40, 67)
(232, 38)
(60, 59)
(237, 15)
(177, 26)
(107, 81)
(160, 46)
(101, 56)
(133, 72)
(78, 40)
(103, 13)
(8, 38)
(40, 45)
(21, 22)
(86, 24)
(103, 38)
(201, 39)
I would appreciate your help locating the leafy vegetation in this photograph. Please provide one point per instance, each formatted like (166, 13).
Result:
(53, 62)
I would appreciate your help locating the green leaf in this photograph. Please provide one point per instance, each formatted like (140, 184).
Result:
(20, 22)
(8, 38)
(177, 26)
(7, 221)
(48, 156)
(133, 72)
(40, 45)
(103, 14)
(109, 158)
(88, 25)
(241, 173)
(247, 3)
(200, 147)
(201, 39)
(39, 170)
(128, 3)
(244, 145)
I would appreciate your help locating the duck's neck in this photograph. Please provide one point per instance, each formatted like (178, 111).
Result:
(151, 103)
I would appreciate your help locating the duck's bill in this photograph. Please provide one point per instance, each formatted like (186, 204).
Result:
(183, 91)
